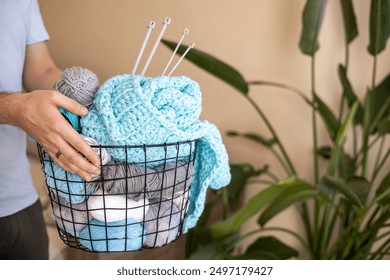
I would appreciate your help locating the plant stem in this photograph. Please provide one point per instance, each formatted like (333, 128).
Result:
(284, 86)
(368, 148)
(354, 143)
(374, 72)
(379, 153)
(329, 226)
(281, 161)
(272, 176)
(314, 121)
(261, 181)
(383, 250)
(382, 235)
(273, 132)
(376, 171)
(373, 215)
(304, 213)
(366, 128)
(341, 109)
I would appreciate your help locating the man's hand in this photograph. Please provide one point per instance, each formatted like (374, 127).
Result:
(38, 114)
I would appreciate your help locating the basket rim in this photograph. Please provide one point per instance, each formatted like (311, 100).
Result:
(165, 144)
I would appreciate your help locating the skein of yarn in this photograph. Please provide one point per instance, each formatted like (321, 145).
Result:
(161, 223)
(120, 236)
(73, 119)
(80, 84)
(113, 207)
(181, 201)
(169, 181)
(70, 217)
(173, 180)
(104, 156)
(68, 185)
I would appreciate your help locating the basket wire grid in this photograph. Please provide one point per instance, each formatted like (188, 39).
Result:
(83, 225)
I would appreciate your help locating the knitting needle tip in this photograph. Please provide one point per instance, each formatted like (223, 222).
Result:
(166, 23)
(151, 26)
(190, 46)
(185, 32)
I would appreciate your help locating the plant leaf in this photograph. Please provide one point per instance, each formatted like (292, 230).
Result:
(346, 123)
(330, 185)
(384, 126)
(311, 19)
(250, 208)
(350, 26)
(208, 252)
(294, 194)
(213, 66)
(349, 94)
(378, 104)
(324, 152)
(254, 137)
(379, 25)
(268, 248)
(327, 116)
(383, 191)
(359, 186)
(241, 173)
(337, 151)
(347, 166)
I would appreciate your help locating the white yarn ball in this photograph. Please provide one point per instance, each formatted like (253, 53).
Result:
(111, 208)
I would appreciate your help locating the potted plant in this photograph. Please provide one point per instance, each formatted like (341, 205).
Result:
(346, 210)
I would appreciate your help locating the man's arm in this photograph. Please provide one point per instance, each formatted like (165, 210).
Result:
(37, 112)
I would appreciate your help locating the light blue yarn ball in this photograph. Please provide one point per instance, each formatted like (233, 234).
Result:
(65, 184)
(119, 236)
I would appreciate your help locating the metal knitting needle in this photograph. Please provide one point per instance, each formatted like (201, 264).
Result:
(184, 33)
(167, 21)
(182, 57)
(151, 26)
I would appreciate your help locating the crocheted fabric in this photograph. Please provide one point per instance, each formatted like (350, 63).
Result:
(137, 110)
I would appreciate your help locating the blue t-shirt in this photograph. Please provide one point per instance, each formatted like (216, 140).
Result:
(20, 25)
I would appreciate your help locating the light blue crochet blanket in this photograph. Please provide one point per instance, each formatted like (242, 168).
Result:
(137, 110)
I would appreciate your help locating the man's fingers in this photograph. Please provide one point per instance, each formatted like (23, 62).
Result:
(77, 142)
(67, 166)
(76, 161)
(60, 163)
(69, 104)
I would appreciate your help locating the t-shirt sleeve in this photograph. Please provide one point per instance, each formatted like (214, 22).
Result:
(37, 31)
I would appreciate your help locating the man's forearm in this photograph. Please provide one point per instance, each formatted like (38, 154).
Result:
(9, 104)
(44, 80)
(40, 72)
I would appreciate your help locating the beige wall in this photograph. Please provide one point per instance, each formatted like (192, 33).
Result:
(258, 37)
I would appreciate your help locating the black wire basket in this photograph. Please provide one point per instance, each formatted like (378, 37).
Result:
(132, 205)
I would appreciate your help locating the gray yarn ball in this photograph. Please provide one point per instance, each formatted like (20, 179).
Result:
(104, 156)
(80, 84)
(170, 183)
(162, 223)
(71, 218)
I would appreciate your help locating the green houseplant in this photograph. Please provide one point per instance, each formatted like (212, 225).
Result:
(346, 211)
